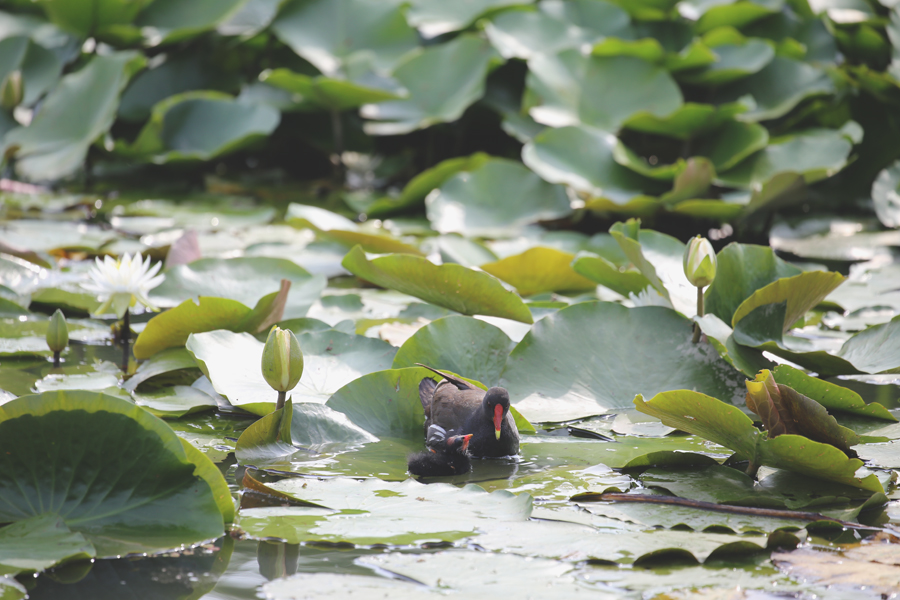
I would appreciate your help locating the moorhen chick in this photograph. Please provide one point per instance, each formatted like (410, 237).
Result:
(457, 405)
(444, 456)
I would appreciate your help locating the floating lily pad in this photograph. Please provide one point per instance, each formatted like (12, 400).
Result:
(172, 328)
(800, 293)
(324, 92)
(463, 63)
(726, 425)
(39, 542)
(885, 197)
(20, 336)
(876, 349)
(741, 269)
(340, 229)
(557, 373)
(332, 34)
(331, 360)
(602, 271)
(119, 508)
(829, 395)
(539, 270)
(372, 511)
(582, 157)
(175, 402)
(167, 21)
(435, 17)
(473, 202)
(245, 279)
(162, 363)
(200, 125)
(571, 89)
(78, 111)
(733, 62)
(522, 34)
(458, 344)
(451, 286)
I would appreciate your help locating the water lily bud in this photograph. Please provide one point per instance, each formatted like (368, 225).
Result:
(11, 91)
(700, 262)
(282, 361)
(58, 332)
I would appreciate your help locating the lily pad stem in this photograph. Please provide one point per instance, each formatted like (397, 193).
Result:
(280, 403)
(126, 337)
(752, 469)
(699, 314)
(56, 359)
(337, 132)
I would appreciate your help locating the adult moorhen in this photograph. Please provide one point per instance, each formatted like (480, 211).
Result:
(444, 456)
(457, 406)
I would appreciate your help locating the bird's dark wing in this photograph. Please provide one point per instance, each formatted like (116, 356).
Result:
(459, 383)
(426, 393)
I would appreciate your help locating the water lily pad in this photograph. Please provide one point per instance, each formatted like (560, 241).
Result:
(691, 120)
(582, 157)
(571, 89)
(539, 270)
(372, 511)
(830, 395)
(344, 231)
(162, 363)
(172, 328)
(245, 279)
(451, 286)
(548, 379)
(874, 350)
(741, 269)
(473, 203)
(331, 360)
(435, 17)
(885, 198)
(332, 34)
(39, 542)
(21, 336)
(78, 111)
(167, 21)
(325, 92)
(522, 34)
(800, 293)
(733, 62)
(460, 345)
(199, 125)
(779, 87)
(175, 402)
(463, 63)
(602, 271)
(873, 567)
(727, 425)
(119, 508)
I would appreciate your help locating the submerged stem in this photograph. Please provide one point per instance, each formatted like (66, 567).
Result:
(280, 403)
(699, 314)
(56, 359)
(126, 337)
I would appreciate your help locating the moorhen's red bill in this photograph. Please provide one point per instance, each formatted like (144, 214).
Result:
(444, 456)
(457, 406)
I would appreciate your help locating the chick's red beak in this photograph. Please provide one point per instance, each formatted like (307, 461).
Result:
(466, 439)
(498, 420)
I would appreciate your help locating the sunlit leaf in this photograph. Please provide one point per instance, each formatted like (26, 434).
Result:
(539, 270)
(451, 286)
(557, 373)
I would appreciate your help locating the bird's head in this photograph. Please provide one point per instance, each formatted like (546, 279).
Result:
(496, 405)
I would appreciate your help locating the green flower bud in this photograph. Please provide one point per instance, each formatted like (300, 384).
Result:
(11, 91)
(282, 361)
(700, 262)
(58, 332)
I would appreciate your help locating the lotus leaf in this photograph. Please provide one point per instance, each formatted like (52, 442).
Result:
(117, 507)
(472, 292)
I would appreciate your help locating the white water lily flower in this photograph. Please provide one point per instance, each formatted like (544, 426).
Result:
(123, 283)
(649, 297)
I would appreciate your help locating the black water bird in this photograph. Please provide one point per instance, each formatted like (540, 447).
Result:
(457, 405)
(444, 455)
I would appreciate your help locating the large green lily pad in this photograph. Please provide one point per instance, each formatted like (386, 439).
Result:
(171, 328)
(38, 543)
(463, 63)
(113, 472)
(800, 293)
(200, 125)
(245, 279)
(458, 344)
(582, 157)
(876, 349)
(475, 203)
(539, 270)
(727, 425)
(451, 286)
(557, 373)
(570, 88)
(78, 111)
(372, 511)
(741, 269)
(330, 34)
(331, 359)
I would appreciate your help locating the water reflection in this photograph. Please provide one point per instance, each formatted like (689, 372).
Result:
(185, 576)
